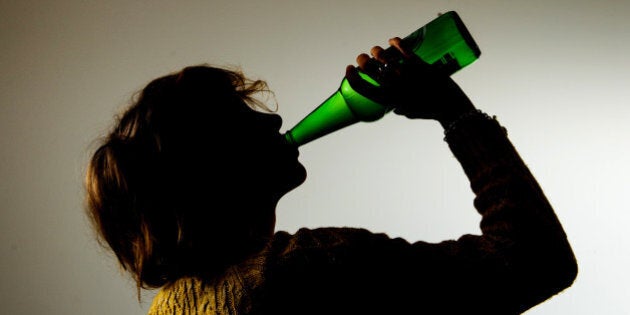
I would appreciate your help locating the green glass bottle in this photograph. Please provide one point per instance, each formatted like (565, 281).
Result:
(444, 43)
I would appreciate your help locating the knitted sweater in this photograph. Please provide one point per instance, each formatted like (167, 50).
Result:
(521, 258)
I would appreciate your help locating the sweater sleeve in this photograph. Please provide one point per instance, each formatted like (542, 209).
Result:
(521, 258)
(519, 227)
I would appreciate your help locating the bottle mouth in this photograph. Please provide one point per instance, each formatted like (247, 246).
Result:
(290, 140)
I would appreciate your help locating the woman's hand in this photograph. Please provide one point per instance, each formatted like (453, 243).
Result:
(410, 85)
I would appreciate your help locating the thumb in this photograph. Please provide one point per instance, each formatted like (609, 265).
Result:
(363, 87)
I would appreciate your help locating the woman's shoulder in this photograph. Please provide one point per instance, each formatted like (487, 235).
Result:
(329, 240)
(321, 237)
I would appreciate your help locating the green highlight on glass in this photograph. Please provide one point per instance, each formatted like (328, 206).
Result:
(444, 43)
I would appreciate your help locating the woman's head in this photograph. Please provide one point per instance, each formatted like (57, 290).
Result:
(187, 181)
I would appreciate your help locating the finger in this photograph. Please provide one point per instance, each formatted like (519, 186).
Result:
(362, 59)
(386, 56)
(368, 65)
(373, 67)
(397, 43)
(394, 41)
(377, 52)
(351, 71)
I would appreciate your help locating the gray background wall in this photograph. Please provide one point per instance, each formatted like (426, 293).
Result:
(554, 72)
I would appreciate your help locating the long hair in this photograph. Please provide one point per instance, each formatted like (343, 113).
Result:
(148, 184)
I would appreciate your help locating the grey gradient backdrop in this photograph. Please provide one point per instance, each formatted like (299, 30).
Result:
(554, 72)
